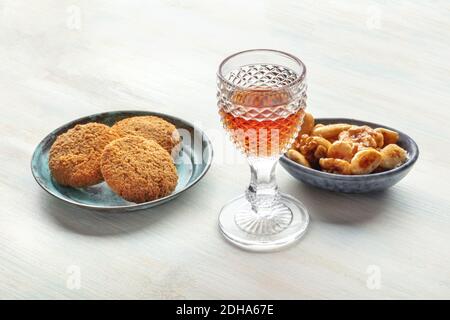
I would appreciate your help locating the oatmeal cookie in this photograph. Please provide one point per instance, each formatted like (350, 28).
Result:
(150, 127)
(138, 169)
(75, 155)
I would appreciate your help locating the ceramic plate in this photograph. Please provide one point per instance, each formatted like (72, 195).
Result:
(192, 164)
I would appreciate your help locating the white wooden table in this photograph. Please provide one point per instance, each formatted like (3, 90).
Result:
(387, 62)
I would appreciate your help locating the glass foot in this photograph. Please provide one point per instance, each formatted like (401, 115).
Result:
(267, 231)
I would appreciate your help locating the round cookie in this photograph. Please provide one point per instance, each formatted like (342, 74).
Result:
(150, 127)
(138, 169)
(75, 155)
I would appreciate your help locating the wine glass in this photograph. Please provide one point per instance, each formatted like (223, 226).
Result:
(261, 98)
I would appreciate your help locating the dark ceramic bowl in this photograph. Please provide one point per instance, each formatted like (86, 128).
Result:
(357, 183)
(192, 164)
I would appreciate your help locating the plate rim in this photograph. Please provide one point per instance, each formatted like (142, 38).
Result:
(132, 206)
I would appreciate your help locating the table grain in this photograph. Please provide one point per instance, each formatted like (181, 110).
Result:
(382, 61)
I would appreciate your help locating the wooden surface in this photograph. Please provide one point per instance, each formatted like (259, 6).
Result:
(386, 62)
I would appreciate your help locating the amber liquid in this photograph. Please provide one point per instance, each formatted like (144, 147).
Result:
(261, 121)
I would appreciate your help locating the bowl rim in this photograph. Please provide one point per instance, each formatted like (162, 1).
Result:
(131, 206)
(414, 155)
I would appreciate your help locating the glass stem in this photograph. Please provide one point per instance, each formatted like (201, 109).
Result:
(262, 192)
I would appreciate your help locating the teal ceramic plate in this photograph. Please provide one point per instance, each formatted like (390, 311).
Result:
(192, 164)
